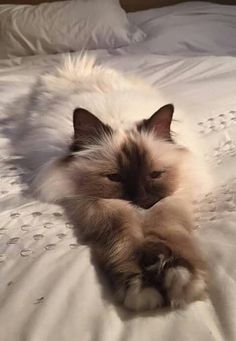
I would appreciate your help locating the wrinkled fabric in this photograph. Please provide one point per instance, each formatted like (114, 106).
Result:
(64, 26)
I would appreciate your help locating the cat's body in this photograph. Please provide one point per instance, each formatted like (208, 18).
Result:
(45, 128)
(110, 163)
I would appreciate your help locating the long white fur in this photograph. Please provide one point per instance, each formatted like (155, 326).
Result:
(45, 124)
(44, 133)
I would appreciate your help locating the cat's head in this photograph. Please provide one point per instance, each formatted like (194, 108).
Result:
(140, 165)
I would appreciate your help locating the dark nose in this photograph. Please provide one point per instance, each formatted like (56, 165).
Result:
(138, 194)
(145, 203)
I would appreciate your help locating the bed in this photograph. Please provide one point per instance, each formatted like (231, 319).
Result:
(49, 289)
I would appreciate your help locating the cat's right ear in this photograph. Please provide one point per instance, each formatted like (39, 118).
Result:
(159, 123)
(87, 128)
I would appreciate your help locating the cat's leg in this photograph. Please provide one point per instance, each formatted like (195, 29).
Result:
(113, 229)
(179, 269)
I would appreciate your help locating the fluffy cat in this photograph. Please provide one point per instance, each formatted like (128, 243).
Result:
(102, 143)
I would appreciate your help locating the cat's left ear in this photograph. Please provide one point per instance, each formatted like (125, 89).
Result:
(159, 122)
(87, 129)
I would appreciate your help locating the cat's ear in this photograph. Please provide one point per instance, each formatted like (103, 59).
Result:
(159, 122)
(87, 128)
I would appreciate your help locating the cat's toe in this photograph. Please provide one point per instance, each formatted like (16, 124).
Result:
(139, 298)
(175, 281)
(183, 286)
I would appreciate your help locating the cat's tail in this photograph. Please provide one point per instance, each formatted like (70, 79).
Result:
(82, 73)
(73, 67)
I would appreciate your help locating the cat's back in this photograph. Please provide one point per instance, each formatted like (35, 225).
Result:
(116, 99)
(45, 125)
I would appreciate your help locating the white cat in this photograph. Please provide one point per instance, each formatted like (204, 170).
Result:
(103, 141)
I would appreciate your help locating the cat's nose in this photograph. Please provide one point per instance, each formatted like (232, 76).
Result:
(145, 203)
(148, 205)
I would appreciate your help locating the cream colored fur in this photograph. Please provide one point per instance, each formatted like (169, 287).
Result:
(46, 125)
(44, 134)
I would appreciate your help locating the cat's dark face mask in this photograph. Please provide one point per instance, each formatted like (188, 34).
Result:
(132, 171)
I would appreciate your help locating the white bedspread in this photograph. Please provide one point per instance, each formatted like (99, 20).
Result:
(49, 290)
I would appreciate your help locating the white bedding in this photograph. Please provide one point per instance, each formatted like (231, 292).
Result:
(49, 290)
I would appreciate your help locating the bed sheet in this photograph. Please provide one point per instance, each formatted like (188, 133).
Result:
(188, 29)
(49, 289)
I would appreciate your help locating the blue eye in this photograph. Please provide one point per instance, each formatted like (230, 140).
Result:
(114, 177)
(156, 174)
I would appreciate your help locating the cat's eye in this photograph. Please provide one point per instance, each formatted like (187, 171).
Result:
(114, 177)
(156, 174)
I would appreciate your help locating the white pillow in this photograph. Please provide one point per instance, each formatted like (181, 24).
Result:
(64, 26)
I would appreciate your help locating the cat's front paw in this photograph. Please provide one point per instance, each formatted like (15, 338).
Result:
(179, 280)
(138, 297)
(183, 286)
